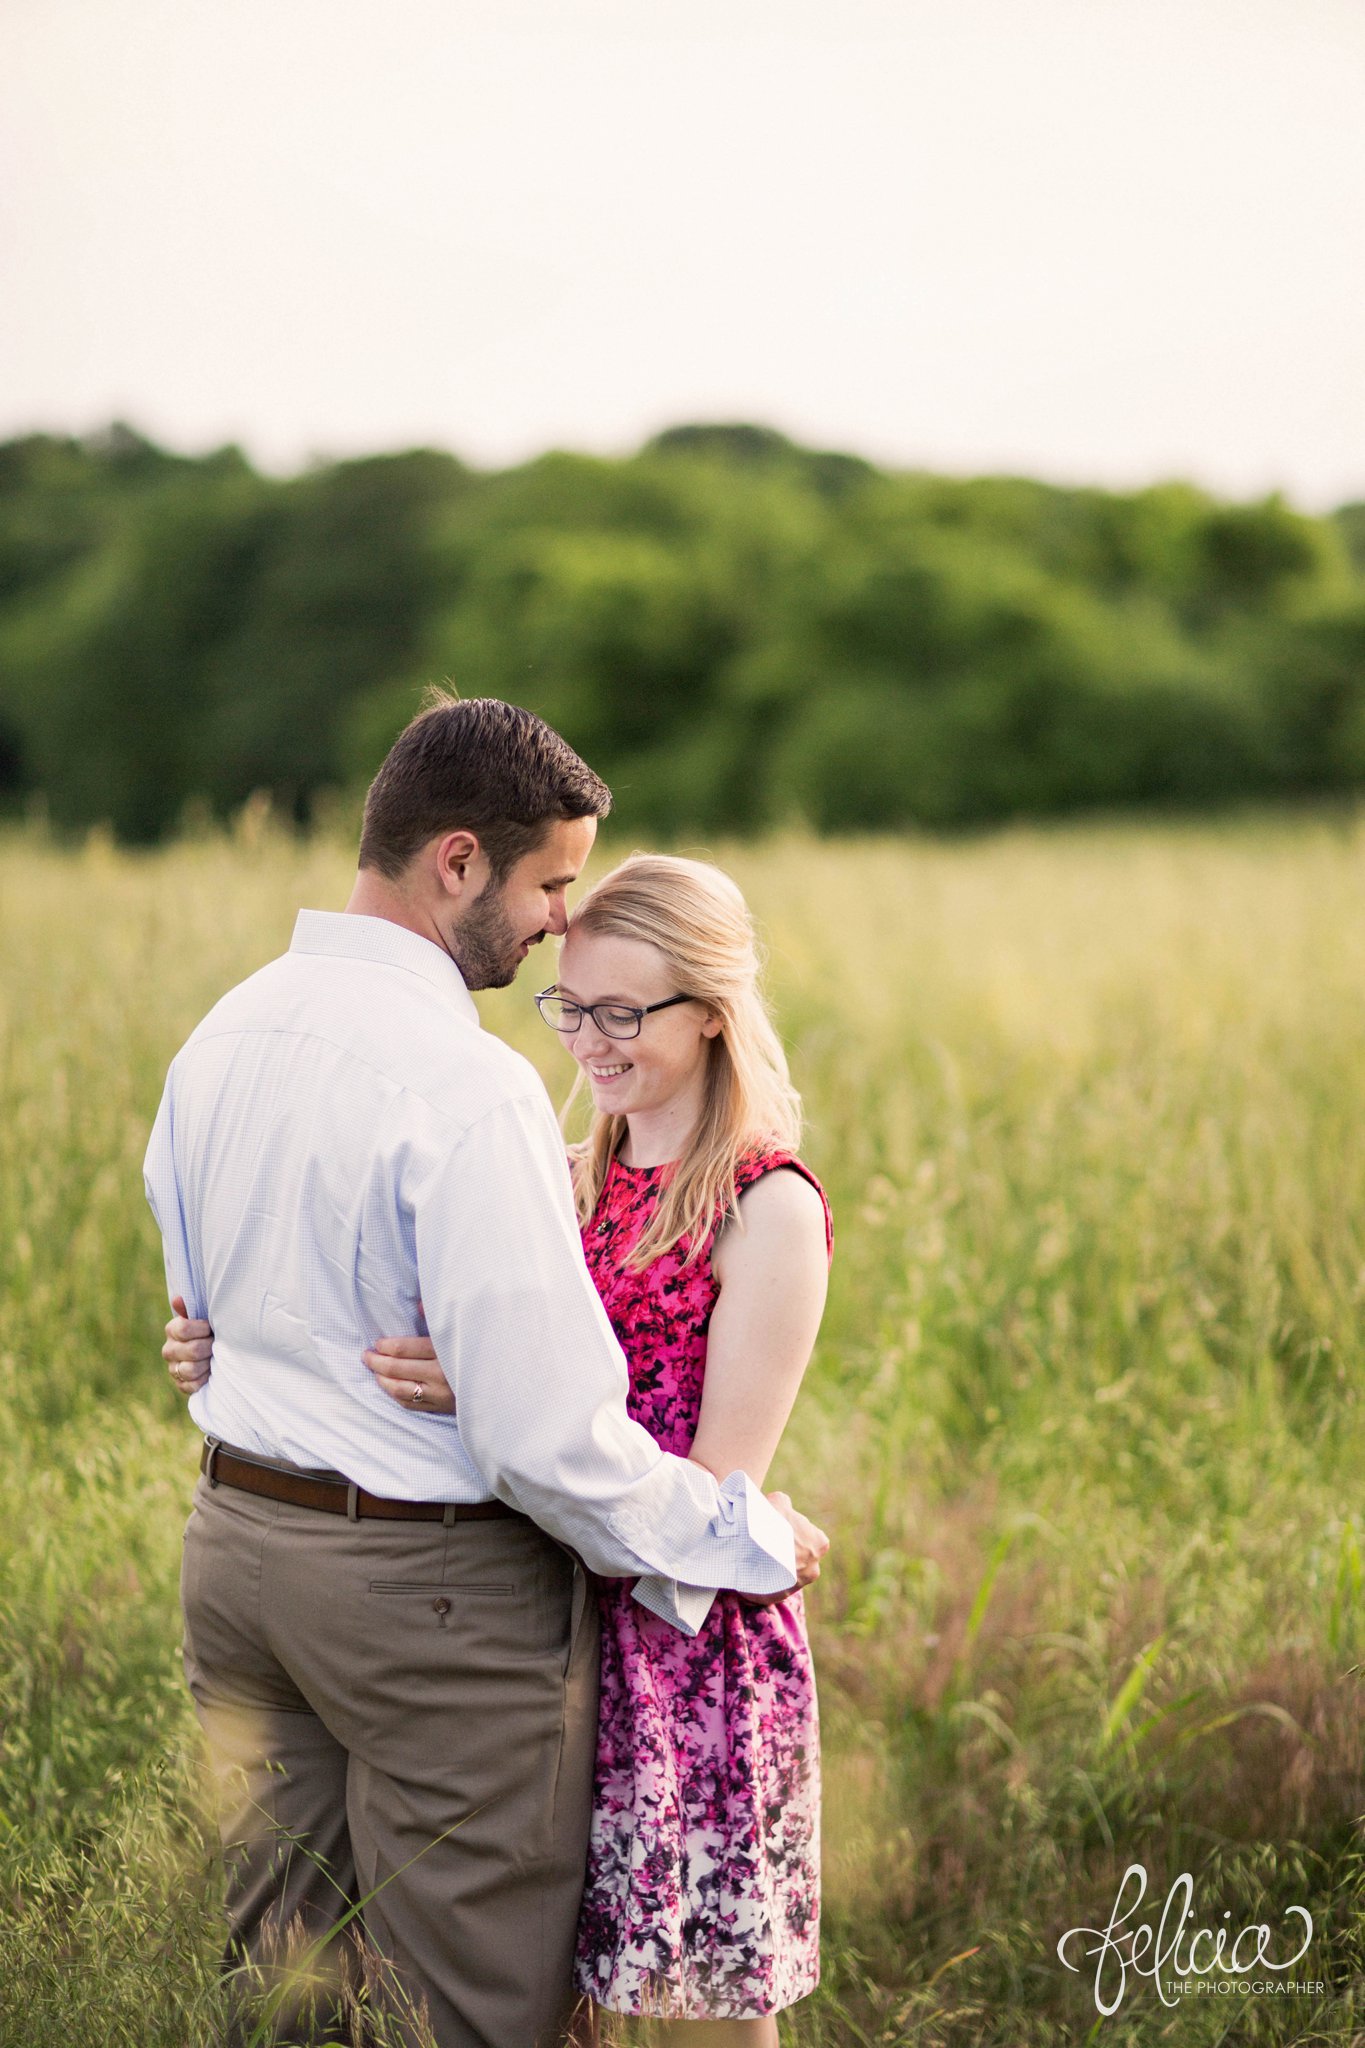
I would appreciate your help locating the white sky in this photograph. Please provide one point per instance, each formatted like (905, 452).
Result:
(1100, 240)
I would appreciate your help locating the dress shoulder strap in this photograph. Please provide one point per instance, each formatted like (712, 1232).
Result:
(758, 1163)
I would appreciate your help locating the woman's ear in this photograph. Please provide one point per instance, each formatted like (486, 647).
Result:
(712, 1026)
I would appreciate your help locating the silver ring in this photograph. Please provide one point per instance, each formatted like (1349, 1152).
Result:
(416, 1394)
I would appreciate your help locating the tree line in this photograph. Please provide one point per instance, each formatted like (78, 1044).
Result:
(737, 631)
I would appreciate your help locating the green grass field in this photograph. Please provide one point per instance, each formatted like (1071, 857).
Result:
(1084, 1424)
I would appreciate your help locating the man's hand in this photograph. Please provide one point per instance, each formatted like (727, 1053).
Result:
(811, 1545)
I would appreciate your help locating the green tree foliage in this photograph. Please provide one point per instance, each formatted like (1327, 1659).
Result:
(195, 630)
(1350, 523)
(736, 630)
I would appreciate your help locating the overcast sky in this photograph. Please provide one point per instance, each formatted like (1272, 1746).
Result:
(1100, 240)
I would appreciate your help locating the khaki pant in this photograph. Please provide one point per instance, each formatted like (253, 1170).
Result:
(405, 1710)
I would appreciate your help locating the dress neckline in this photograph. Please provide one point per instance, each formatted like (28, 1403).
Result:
(771, 1156)
(642, 1172)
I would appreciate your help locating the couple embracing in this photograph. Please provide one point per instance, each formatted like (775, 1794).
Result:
(493, 1628)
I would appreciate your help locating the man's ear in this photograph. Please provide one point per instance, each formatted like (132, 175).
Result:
(457, 859)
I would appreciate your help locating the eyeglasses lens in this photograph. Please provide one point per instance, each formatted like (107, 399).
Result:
(565, 1016)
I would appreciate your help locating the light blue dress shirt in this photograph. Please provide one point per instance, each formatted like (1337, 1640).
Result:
(340, 1139)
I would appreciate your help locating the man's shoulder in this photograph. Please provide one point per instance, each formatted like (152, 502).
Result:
(465, 1073)
(400, 1030)
(287, 994)
(246, 1005)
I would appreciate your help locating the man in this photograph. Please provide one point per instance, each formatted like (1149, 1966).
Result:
(391, 1650)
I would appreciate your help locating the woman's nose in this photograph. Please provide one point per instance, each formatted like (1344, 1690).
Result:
(588, 1040)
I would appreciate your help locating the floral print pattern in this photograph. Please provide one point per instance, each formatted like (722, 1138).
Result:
(702, 1898)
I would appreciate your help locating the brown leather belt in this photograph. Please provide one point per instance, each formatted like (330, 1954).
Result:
(224, 1467)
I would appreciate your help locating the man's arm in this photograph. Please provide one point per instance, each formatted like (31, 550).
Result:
(540, 1381)
(163, 1193)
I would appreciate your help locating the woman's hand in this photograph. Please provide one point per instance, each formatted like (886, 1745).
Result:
(188, 1349)
(810, 1540)
(407, 1369)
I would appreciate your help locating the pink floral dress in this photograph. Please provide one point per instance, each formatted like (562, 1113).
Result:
(702, 1898)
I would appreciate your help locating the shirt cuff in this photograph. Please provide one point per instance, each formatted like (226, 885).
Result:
(764, 1560)
(685, 1607)
(770, 1531)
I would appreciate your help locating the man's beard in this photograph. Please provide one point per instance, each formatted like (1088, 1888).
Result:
(485, 948)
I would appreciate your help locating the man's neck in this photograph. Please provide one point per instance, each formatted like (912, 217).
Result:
(374, 895)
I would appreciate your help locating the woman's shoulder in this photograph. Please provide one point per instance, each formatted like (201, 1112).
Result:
(783, 1173)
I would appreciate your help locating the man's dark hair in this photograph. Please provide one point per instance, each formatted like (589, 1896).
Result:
(479, 765)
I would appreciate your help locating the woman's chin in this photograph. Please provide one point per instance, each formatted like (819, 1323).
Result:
(609, 1097)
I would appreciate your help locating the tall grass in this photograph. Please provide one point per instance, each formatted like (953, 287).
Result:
(1085, 1421)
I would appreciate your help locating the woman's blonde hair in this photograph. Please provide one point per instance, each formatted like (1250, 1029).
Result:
(699, 921)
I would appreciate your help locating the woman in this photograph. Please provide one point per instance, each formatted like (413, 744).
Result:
(709, 1244)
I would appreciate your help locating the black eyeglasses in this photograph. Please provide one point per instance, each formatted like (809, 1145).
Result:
(613, 1020)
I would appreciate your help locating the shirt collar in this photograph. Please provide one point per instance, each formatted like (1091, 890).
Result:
(345, 934)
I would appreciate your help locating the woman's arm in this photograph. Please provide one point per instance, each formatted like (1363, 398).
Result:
(401, 1365)
(773, 1275)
